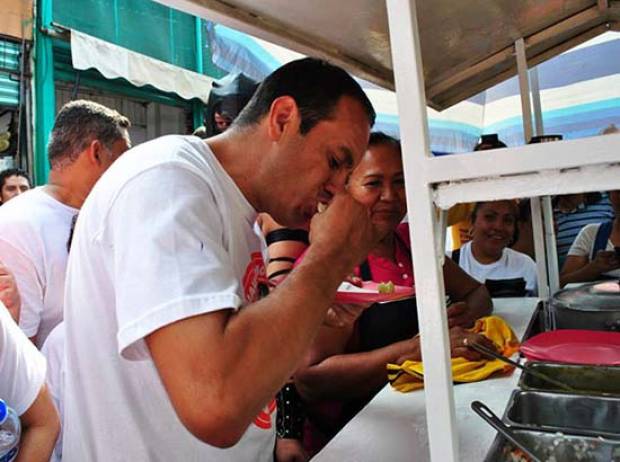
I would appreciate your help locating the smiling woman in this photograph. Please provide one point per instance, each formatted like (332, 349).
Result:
(487, 256)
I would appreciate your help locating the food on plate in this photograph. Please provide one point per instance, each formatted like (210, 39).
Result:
(386, 287)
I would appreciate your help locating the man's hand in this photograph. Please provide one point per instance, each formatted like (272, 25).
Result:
(605, 261)
(460, 339)
(343, 233)
(344, 314)
(289, 450)
(459, 314)
(9, 295)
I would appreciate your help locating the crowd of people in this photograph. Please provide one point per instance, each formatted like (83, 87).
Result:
(175, 300)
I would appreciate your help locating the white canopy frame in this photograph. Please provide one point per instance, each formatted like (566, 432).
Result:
(565, 167)
(523, 171)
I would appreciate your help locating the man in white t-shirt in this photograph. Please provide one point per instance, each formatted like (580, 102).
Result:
(22, 387)
(170, 353)
(35, 226)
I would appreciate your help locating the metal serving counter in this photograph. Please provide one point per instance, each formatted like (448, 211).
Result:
(392, 426)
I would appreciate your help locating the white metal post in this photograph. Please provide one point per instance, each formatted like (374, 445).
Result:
(441, 232)
(551, 251)
(406, 58)
(538, 119)
(524, 88)
(537, 224)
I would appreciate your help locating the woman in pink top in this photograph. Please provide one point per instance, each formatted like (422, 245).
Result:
(346, 365)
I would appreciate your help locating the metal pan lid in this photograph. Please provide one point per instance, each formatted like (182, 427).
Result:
(596, 296)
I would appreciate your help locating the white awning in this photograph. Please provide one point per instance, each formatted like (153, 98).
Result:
(114, 61)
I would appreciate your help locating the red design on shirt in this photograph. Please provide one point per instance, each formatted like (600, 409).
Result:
(255, 275)
(263, 419)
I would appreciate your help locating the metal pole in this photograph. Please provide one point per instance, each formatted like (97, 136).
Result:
(441, 232)
(538, 118)
(537, 224)
(45, 100)
(198, 106)
(524, 87)
(406, 57)
(551, 250)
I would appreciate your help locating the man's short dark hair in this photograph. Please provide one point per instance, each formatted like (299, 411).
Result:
(9, 172)
(80, 122)
(315, 85)
(379, 138)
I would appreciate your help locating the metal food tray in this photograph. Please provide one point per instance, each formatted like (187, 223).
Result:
(566, 413)
(564, 448)
(587, 380)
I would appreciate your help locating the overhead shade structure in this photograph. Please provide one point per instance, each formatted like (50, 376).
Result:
(580, 92)
(453, 130)
(457, 62)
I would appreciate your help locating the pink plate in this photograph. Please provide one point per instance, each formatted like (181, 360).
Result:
(369, 293)
(574, 346)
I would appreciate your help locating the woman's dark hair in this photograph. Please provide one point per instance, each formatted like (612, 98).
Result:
(477, 205)
(315, 85)
(379, 138)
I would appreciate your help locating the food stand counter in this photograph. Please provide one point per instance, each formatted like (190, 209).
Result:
(392, 426)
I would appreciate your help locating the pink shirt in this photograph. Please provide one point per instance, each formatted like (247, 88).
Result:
(399, 272)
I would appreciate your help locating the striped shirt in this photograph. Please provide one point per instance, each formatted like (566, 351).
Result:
(569, 224)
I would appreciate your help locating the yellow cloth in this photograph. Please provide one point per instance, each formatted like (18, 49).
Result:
(410, 375)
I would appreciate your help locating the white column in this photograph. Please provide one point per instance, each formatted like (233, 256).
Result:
(551, 251)
(524, 87)
(538, 118)
(406, 58)
(537, 224)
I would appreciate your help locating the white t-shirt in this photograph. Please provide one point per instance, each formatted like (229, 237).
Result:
(54, 351)
(164, 235)
(512, 264)
(584, 242)
(22, 367)
(34, 230)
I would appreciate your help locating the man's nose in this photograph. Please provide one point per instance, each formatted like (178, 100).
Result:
(337, 182)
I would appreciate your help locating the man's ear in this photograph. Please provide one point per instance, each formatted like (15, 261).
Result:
(94, 151)
(283, 116)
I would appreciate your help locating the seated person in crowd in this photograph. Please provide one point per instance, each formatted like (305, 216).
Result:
(22, 387)
(572, 212)
(592, 255)
(487, 257)
(346, 365)
(13, 182)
